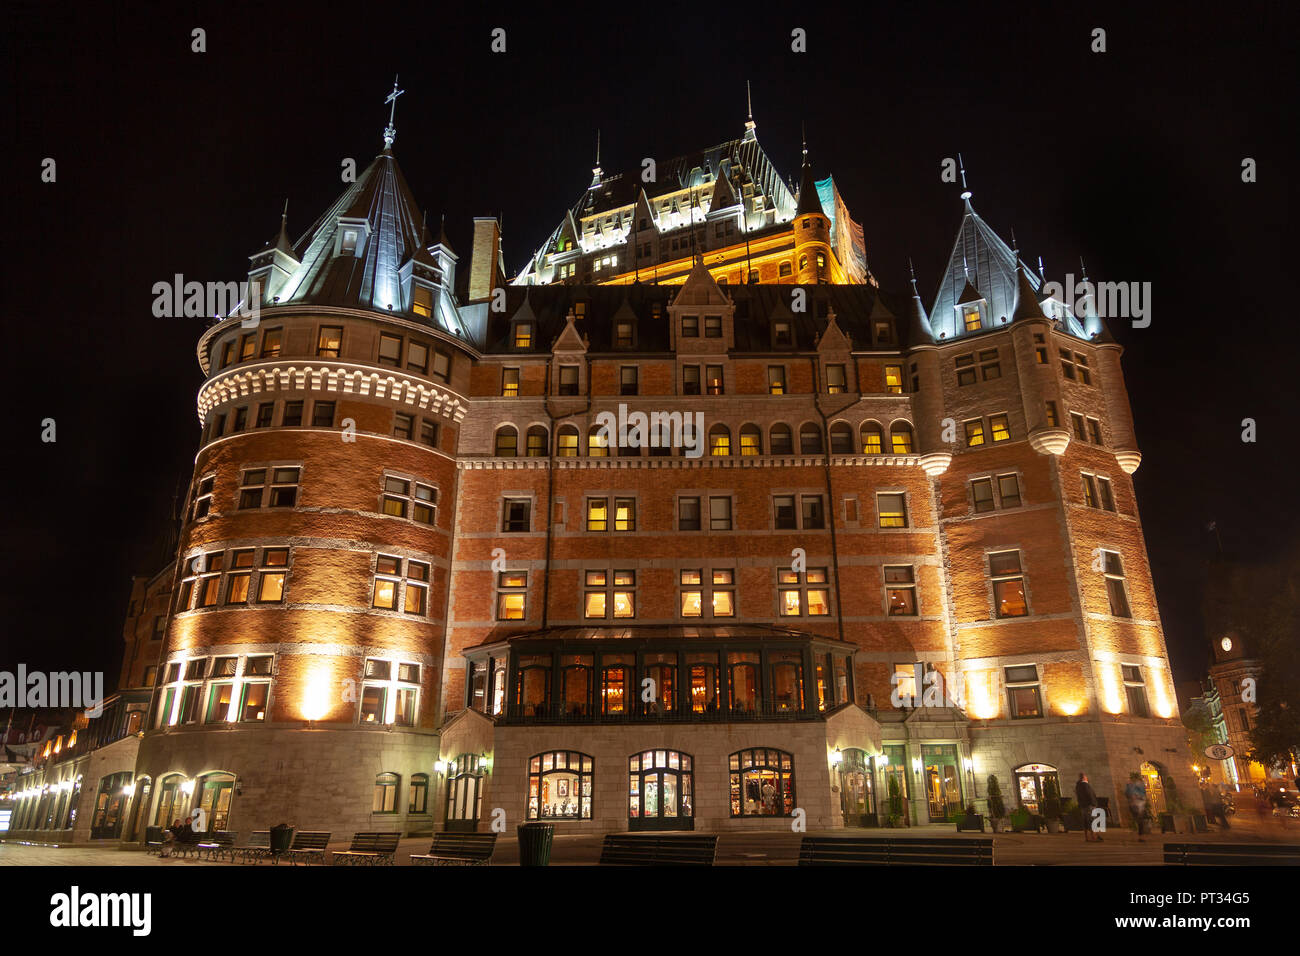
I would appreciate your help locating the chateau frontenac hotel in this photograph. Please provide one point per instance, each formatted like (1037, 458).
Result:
(420, 585)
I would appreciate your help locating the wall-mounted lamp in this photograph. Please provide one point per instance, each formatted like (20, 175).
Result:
(484, 763)
(916, 764)
(439, 766)
(128, 790)
(837, 757)
(187, 787)
(882, 761)
(969, 764)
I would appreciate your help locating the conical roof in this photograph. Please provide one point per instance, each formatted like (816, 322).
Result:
(1027, 306)
(809, 201)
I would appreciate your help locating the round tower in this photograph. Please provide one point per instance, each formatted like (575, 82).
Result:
(812, 232)
(306, 636)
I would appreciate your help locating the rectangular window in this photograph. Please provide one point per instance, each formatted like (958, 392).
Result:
(1024, 696)
(322, 414)
(252, 488)
(900, 590)
(271, 342)
(416, 598)
(247, 346)
(390, 349)
(388, 579)
(516, 515)
(624, 514)
(974, 432)
(691, 595)
(597, 514)
(568, 380)
(604, 590)
(1094, 431)
(1113, 569)
(292, 414)
(690, 326)
(1135, 689)
(1090, 491)
(441, 365)
(512, 595)
(417, 357)
(1009, 490)
(265, 414)
(284, 488)
(713, 326)
(1041, 354)
(429, 433)
(971, 317)
(990, 368)
(892, 509)
(836, 383)
(1106, 494)
(982, 495)
(227, 354)
(999, 428)
(523, 337)
(627, 378)
(894, 379)
(422, 301)
(1053, 418)
(330, 341)
(691, 380)
(784, 515)
(814, 515)
(781, 335)
(240, 419)
(776, 379)
(965, 365)
(510, 382)
(1008, 579)
(713, 379)
(719, 513)
(271, 577)
(203, 497)
(802, 593)
(623, 337)
(688, 514)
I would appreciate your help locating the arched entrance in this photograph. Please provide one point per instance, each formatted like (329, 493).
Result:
(110, 806)
(1030, 781)
(140, 809)
(168, 795)
(857, 794)
(1153, 775)
(216, 793)
(464, 793)
(661, 788)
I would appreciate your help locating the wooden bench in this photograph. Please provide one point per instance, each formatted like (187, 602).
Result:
(369, 848)
(258, 847)
(1232, 854)
(153, 840)
(308, 846)
(676, 850)
(893, 851)
(458, 849)
(216, 844)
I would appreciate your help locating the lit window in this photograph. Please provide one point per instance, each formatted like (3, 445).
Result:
(894, 379)
(507, 442)
(512, 595)
(892, 509)
(271, 577)
(761, 782)
(597, 442)
(330, 341)
(1113, 569)
(568, 380)
(900, 590)
(719, 441)
(900, 434)
(974, 432)
(873, 438)
(1023, 692)
(751, 440)
(713, 379)
(422, 301)
(1008, 584)
(835, 380)
(271, 339)
(510, 381)
(523, 337)
(999, 428)
(390, 349)
(971, 317)
(803, 593)
(567, 443)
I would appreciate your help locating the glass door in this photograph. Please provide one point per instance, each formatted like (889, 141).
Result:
(857, 800)
(660, 785)
(464, 794)
(942, 781)
(215, 801)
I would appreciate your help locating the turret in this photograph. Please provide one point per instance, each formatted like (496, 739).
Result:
(812, 232)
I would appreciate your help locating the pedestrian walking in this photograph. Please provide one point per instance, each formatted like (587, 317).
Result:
(1136, 794)
(1086, 797)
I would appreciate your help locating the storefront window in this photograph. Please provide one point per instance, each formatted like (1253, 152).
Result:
(1030, 780)
(762, 783)
(559, 786)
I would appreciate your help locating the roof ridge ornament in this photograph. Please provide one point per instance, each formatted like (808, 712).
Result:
(965, 191)
(750, 125)
(390, 131)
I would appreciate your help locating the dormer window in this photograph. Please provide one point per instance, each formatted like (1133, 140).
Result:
(422, 303)
(523, 336)
(781, 334)
(971, 318)
(883, 332)
(349, 242)
(623, 335)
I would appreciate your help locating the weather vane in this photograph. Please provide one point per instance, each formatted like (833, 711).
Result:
(390, 131)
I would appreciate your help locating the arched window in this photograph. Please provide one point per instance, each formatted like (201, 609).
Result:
(575, 684)
(567, 442)
(782, 440)
(719, 440)
(110, 807)
(841, 439)
(661, 785)
(215, 793)
(873, 438)
(559, 786)
(1031, 784)
(762, 783)
(536, 444)
(810, 439)
(386, 787)
(168, 793)
(785, 270)
(533, 685)
(597, 442)
(900, 434)
(803, 263)
(417, 795)
(507, 442)
(751, 440)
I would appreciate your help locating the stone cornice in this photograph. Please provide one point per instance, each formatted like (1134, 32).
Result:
(487, 462)
(343, 378)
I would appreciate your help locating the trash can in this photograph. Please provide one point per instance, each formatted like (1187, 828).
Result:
(281, 839)
(535, 843)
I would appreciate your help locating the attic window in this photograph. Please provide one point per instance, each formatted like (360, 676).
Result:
(423, 304)
(781, 333)
(883, 332)
(786, 270)
(623, 335)
(523, 335)
(349, 242)
(579, 310)
(971, 318)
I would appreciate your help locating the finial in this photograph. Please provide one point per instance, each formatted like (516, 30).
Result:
(1041, 273)
(284, 216)
(1015, 246)
(390, 131)
(598, 147)
(913, 273)
(965, 271)
(749, 101)
(803, 133)
(1083, 270)
(424, 221)
(965, 192)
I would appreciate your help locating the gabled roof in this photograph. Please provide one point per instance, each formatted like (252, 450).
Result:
(380, 205)
(981, 266)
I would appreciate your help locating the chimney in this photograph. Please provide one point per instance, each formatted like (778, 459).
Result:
(485, 269)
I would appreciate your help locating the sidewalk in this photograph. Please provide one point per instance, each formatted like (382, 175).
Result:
(761, 848)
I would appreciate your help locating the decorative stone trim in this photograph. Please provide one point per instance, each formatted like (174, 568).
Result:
(706, 461)
(1050, 441)
(337, 377)
(1128, 460)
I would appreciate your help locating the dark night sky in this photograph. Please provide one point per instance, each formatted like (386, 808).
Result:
(171, 161)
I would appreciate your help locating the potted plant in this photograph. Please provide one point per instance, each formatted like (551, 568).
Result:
(997, 809)
(1022, 820)
(1052, 805)
(895, 816)
(970, 820)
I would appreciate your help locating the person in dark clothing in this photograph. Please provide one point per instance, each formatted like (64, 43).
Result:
(1087, 800)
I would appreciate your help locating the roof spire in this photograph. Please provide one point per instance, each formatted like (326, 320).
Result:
(1083, 270)
(965, 192)
(911, 270)
(1041, 273)
(390, 131)
(596, 170)
(803, 134)
(1015, 246)
(282, 241)
(750, 126)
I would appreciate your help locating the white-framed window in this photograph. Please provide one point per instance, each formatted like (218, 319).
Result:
(706, 592)
(401, 584)
(803, 593)
(1116, 593)
(1007, 575)
(609, 594)
(390, 692)
(512, 595)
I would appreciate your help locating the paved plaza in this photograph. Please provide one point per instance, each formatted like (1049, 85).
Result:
(1119, 848)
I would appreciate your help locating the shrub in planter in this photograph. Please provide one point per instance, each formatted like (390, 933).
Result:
(997, 809)
(1052, 804)
(895, 815)
(1021, 819)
